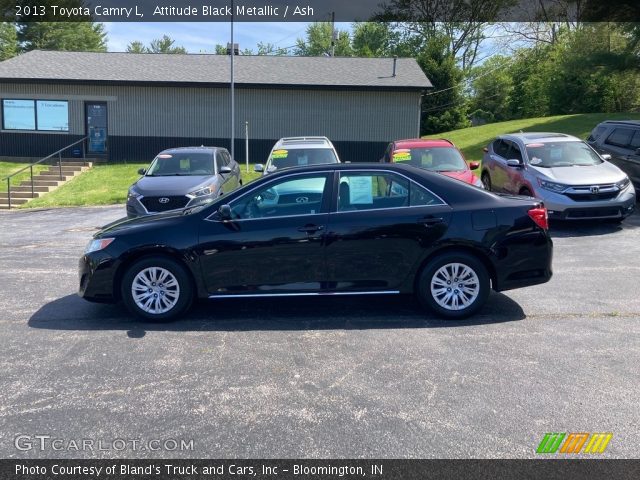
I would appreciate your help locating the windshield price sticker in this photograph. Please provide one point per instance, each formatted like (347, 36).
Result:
(280, 154)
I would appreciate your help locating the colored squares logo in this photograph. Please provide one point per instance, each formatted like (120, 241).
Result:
(574, 443)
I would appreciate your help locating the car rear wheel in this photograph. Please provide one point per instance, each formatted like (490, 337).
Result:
(486, 180)
(157, 289)
(454, 285)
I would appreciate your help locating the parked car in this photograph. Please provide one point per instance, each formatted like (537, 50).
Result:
(567, 174)
(299, 152)
(621, 140)
(440, 156)
(183, 177)
(325, 230)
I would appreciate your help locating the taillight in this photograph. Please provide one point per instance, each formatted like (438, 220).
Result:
(539, 215)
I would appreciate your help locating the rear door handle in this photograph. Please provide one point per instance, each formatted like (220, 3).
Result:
(310, 228)
(431, 220)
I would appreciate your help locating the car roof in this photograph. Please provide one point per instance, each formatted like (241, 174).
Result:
(199, 149)
(631, 123)
(540, 137)
(303, 142)
(423, 142)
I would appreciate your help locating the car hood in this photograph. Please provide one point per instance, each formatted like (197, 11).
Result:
(171, 185)
(592, 175)
(464, 175)
(128, 224)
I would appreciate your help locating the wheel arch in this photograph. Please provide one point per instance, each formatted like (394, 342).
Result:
(137, 255)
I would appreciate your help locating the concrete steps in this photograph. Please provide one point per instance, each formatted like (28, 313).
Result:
(44, 182)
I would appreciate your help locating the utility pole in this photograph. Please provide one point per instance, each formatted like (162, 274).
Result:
(233, 112)
(246, 144)
(333, 34)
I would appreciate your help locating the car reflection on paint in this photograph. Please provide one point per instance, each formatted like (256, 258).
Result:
(341, 229)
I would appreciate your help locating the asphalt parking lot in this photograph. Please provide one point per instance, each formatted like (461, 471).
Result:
(321, 378)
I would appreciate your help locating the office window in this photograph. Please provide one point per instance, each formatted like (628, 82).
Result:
(44, 115)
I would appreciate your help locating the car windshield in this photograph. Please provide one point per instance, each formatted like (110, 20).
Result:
(561, 154)
(181, 163)
(299, 157)
(436, 159)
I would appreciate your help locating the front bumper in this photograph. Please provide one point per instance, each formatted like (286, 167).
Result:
(96, 272)
(561, 207)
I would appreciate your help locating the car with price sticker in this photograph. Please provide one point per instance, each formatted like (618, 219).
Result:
(299, 152)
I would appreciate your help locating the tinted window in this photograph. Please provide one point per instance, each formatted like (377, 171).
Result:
(419, 196)
(596, 133)
(635, 141)
(620, 137)
(181, 163)
(514, 152)
(298, 196)
(501, 148)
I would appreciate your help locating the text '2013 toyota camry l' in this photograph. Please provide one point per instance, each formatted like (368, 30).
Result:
(342, 229)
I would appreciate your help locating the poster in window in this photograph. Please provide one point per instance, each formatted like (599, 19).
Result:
(19, 114)
(53, 115)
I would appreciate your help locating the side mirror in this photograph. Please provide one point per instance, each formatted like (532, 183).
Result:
(485, 150)
(271, 169)
(474, 165)
(142, 171)
(514, 163)
(606, 156)
(258, 167)
(225, 212)
(224, 170)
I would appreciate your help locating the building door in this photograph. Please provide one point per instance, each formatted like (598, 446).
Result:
(96, 127)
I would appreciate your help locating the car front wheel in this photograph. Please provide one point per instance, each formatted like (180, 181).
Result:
(454, 285)
(157, 289)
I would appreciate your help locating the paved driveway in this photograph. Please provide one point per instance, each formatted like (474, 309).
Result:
(343, 377)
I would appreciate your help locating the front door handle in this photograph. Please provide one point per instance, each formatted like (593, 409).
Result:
(310, 228)
(428, 221)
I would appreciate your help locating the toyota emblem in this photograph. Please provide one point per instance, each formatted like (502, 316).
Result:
(302, 200)
(164, 200)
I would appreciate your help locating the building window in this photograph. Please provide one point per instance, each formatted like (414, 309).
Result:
(43, 115)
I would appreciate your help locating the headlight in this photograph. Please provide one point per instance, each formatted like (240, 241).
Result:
(132, 194)
(98, 244)
(478, 183)
(622, 184)
(552, 186)
(208, 190)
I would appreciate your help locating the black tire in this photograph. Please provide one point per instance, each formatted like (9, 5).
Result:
(486, 181)
(180, 298)
(481, 279)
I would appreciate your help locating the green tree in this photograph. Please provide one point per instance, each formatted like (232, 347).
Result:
(372, 39)
(318, 41)
(492, 85)
(136, 47)
(159, 45)
(8, 41)
(73, 36)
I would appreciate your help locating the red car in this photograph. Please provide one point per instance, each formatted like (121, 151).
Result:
(440, 156)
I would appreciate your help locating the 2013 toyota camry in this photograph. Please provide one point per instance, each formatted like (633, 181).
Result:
(342, 229)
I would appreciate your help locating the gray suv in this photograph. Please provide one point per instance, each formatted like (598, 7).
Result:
(183, 177)
(563, 171)
(621, 140)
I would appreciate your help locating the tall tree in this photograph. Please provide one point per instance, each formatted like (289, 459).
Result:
(8, 40)
(318, 41)
(136, 47)
(158, 45)
(74, 36)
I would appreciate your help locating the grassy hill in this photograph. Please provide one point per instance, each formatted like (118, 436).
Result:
(472, 140)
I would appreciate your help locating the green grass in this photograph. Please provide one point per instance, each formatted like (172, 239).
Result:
(472, 140)
(103, 185)
(7, 168)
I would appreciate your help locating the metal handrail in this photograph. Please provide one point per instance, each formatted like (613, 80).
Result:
(30, 167)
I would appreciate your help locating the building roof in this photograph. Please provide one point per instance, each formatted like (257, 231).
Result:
(150, 68)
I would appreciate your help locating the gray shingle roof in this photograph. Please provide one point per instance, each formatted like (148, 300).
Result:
(214, 69)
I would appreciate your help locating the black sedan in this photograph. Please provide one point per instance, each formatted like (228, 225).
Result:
(344, 229)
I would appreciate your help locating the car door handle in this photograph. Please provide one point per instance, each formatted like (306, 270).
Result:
(431, 220)
(310, 228)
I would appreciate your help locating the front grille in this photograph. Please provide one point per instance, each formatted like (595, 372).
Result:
(591, 197)
(153, 204)
(608, 212)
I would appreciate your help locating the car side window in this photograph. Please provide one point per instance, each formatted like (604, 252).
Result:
(226, 158)
(286, 197)
(372, 190)
(421, 197)
(620, 137)
(501, 148)
(635, 140)
(595, 134)
(514, 152)
(219, 161)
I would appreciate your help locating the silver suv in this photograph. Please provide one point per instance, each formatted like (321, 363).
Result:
(621, 140)
(572, 179)
(298, 152)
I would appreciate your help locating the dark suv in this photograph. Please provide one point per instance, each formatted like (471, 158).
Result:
(621, 140)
